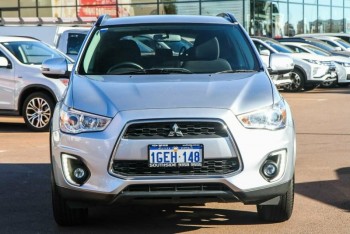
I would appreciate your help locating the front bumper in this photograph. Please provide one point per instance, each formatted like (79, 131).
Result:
(87, 198)
(98, 150)
(281, 80)
(344, 78)
(318, 74)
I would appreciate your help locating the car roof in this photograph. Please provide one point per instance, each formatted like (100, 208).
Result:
(16, 38)
(161, 19)
(326, 34)
(293, 43)
(326, 37)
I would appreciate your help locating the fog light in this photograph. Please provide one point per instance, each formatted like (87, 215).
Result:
(270, 169)
(74, 170)
(79, 173)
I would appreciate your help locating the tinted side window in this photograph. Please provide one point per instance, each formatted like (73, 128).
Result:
(75, 40)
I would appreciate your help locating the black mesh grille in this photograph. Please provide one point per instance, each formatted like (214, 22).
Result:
(188, 129)
(176, 187)
(209, 167)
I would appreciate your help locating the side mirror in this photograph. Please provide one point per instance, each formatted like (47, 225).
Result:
(265, 52)
(55, 68)
(280, 64)
(4, 63)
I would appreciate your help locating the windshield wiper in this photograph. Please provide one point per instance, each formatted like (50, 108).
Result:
(153, 71)
(133, 72)
(236, 71)
(167, 71)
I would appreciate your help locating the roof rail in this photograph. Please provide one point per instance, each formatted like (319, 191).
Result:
(101, 19)
(228, 16)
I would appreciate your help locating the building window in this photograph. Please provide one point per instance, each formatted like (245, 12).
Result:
(310, 18)
(324, 19)
(296, 20)
(337, 24)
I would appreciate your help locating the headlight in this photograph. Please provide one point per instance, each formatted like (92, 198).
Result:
(73, 121)
(344, 64)
(271, 118)
(312, 61)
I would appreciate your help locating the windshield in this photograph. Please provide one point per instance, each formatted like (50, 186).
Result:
(322, 45)
(168, 48)
(31, 52)
(343, 43)
(279, 47)
(317, 50)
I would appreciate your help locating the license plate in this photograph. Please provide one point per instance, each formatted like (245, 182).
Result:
(189, 155)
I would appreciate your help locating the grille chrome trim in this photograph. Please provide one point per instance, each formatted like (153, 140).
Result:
(161, 130)
(230, 141)
(209, 167)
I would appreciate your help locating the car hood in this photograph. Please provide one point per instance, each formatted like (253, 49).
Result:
(310, 56)
(108, 95)
(340, 59)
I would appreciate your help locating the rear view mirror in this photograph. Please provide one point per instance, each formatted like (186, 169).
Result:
(280, 64)
(265, 52)
(55, 68)
(166, 37)
(4, 63)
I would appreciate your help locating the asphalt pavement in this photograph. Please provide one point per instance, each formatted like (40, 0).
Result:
(322, 192)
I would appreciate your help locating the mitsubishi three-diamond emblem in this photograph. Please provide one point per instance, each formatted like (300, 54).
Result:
(175, 131)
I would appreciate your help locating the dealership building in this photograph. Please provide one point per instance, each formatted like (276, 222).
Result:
(260, 18)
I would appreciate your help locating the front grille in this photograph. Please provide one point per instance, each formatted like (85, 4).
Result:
(141, 168)
(159, 130)
(177, 187)
(330, 64)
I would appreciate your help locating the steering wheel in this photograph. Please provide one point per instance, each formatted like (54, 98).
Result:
(182, 52)
(125, 65)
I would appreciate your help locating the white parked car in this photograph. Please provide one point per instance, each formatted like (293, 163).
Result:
(342, 63)
(336, 42)
(344, 36)
(309, 70)
(24, 90)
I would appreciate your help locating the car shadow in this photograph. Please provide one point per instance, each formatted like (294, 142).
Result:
(320, 90)
(331, 192)
(13, 126)
(25, 207)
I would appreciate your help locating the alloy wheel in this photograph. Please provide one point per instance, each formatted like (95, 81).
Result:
(38, 112)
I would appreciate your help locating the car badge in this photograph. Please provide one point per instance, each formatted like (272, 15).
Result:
(175, 131)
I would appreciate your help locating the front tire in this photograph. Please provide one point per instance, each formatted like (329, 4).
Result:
(298, 81)
(37, 111)
(310, 87)
(329, 84)
(63, 214)
(281, 212)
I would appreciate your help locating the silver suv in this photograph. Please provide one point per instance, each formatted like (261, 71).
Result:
(23, 89)
(203, 124)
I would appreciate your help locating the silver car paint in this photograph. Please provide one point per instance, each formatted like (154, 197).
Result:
(217, 96)
(109, 95)
(13, 81)
(96, 149)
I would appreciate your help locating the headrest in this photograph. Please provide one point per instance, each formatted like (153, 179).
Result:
(164, 53)
(208, 50)
(128, 48)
